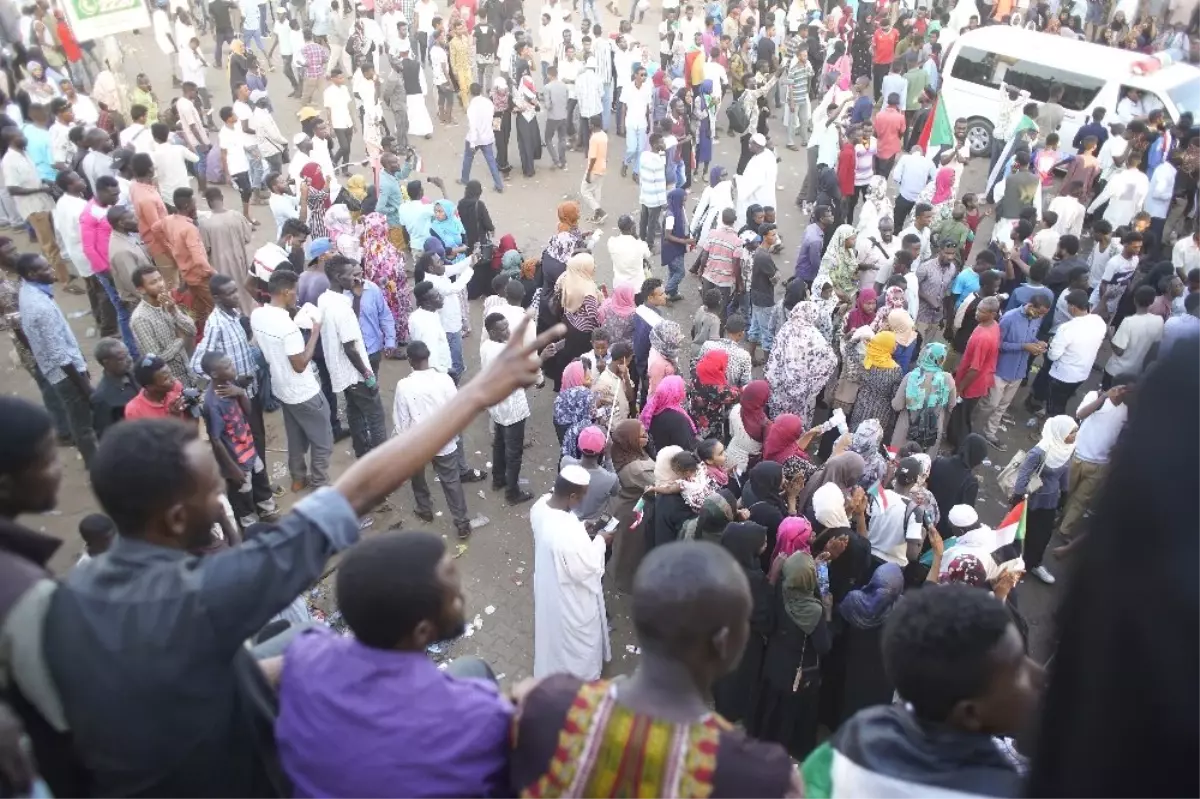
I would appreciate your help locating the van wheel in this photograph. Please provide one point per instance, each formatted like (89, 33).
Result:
(979, 136)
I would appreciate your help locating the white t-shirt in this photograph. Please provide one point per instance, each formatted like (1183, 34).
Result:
(339, 326)
(283, 208)
(170, 167)
(637, 105)
(191, 67)
(278, 337)
(628, 254)
(364, 89)
(243, 112)
(1098, 433)
(183, 35)
(283, 35)
(1136, 335)
(425, 12)
(232, 142)
(439, 64)
(266, 259)
(716, 73)
(888, 534)
(337, 100)
(189, 115)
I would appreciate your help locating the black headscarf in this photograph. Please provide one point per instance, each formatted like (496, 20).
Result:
(764, 485)
(951, 480)
(745, 540)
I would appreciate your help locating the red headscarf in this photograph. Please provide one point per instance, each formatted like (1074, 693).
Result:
(507, 242)
(754, 401)
(781, 439)
(710, 371)
(860, 316)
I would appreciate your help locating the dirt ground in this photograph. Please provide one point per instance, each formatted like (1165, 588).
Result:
(497, 563)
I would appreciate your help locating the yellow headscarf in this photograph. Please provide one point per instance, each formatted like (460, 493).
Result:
(879, 351)
(357, 187)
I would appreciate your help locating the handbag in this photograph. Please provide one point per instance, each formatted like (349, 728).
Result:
(487, 247)
(805, 678)
(1007, 479)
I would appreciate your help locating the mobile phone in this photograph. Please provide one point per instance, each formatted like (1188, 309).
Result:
(612, 525)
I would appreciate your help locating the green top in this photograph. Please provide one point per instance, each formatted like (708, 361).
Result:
(917, 79)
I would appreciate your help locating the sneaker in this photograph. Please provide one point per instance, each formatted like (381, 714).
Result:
(464, 531)
(996, 444)
(519, 497)
(424, 515)
(1042, 574)
(473, 476)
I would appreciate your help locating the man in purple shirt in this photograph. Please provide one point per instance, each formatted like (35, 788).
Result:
(372, 715)
(808, 261)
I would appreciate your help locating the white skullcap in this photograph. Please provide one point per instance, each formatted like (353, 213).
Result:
(759, 139)
(963, 516)
(575, 475)
(299, 139)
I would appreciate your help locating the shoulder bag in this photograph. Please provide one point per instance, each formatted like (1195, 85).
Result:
(1007, 479)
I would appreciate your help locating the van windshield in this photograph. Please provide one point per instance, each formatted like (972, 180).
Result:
(989, 69)
(1186, 97)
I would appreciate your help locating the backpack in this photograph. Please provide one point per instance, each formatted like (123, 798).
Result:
(925, 427)
(739, 120)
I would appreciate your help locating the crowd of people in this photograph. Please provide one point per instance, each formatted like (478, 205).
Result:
(800, 462)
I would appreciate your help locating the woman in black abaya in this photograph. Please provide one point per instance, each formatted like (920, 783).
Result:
(746, 541)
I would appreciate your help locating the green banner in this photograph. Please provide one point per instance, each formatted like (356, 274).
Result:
(93, 19)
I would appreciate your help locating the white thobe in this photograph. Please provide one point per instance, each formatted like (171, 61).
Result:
(570, 627)
(1126, 194)
(756, 185)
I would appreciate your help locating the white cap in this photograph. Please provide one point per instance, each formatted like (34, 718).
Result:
(575, 475)
(256, 95)
(963, 516)
(759, 139)
(299, 138)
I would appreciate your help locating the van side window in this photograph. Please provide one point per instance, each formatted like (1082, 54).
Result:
(988, 69)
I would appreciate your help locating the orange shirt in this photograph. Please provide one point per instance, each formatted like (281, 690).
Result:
(182, 240)
(149, 208)
(598, 151)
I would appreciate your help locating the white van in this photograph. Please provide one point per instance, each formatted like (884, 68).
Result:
(1092, 76)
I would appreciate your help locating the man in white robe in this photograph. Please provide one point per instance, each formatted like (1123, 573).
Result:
(756, 185)
(570, 626)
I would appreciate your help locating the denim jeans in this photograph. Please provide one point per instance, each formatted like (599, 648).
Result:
(606, 108)
(457, 367)
(675, 273)
(508, 441)
(635, 142)
(364, 416)
(489, 155)
(110, 289)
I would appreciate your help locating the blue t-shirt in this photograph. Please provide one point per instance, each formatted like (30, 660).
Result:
(1024, 293)
(964, 283)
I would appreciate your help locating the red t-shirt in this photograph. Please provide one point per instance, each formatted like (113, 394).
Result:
(983, 348)
(885, 45)
(921, 25)
(140, 407)
(889, 127)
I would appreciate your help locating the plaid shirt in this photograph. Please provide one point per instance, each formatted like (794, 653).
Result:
(407, 8)
(158, 332)
(223, 332)
(315, 58)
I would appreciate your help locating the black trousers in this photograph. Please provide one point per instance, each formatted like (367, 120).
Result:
(960, 421)
(1039, 526)
(327, 390)
(903, 206)
(508, 446)
(880, 71)
(246, 503)
(1060, 395)
(344, 137)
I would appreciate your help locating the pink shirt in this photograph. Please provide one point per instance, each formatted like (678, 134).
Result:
(96, 233)
(657, 367)
(889, 127)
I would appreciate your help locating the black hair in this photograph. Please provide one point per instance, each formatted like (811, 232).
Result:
(95, 528)
(183, 196)
(1132, 237)
(105, 347)
(336, 265)
(684, 462)
(990, 278)
(136, 111)
(1022, 230)
(1050, 219)
(921, 208)
(735, 324)
(225, 113)
(140, 274)
(415, 189)
(1143, 296)
(1039, 300)
(213, 195)
(728, 216)
(1078, 298)
(388, 584)
(1069, 243)
(493, 319)
(218, 281)
(418, 351)
(208, 361)
(160, 132)
(281, 280)
(23, 428)
(1191, 301)
(712, 300)
(1076, 273)
(987, 257)
(707, 448)
(106, 182)
(600, 334)
(146, 368)
(500, 282)
(294, 227)
(623, 349)
(903, 257)
(62, 179)
(937, 644)
(140, 469)
(1039, 270)
(649, 286)
(1102, 227)
(422, 288)
(514, 292)
(115, 213)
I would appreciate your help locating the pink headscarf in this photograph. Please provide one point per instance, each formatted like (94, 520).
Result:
(668, 396)
(943, 185)
(621, 303)
(795, 535)
(573, 375)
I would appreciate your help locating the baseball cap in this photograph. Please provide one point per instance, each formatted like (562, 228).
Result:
(316, 248)
(591, 440)
(121, 156)
(307, 112)
(907, 471)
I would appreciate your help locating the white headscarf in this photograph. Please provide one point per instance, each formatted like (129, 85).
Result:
(1054, 444)
(829, 506)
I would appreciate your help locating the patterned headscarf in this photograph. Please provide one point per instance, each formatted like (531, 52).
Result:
(839, 262)
(573, 409)
(666, 338)
(967, 569)
(865, 441)
(893, 299)
(930, 361)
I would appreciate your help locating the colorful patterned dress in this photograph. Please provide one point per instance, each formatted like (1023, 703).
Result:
(383, 265)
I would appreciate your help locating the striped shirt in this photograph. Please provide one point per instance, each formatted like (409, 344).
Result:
(724, 249)
(652, 179)
(223, 333)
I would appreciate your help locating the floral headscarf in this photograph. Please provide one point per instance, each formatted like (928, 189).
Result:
(967, 569)
(893, 299)
(339, 227)
(929, 366)
(573, 409)
(865, 441)
(568, 237)
(666, 338)
(839, 262)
